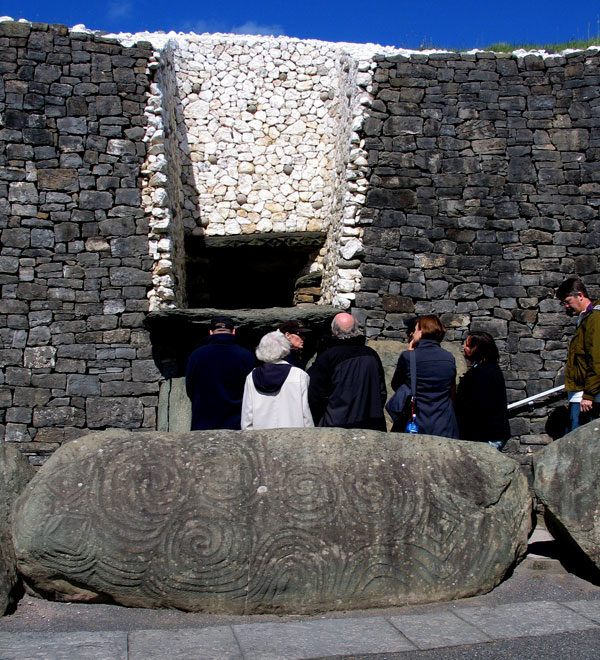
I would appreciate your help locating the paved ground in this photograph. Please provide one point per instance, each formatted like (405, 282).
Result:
(541, 611)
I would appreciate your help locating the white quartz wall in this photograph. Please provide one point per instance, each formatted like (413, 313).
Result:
(254, 134)
(163, 193)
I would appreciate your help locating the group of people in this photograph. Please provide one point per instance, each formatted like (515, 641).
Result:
(477, 409)
(345, 386)
(230, 389)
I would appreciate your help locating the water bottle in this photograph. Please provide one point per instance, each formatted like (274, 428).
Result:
(412, 426)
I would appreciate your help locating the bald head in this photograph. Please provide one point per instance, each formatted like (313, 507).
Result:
(345, 326)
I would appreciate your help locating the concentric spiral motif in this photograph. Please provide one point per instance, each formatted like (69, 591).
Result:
(308, 494)
(224, 472)
(138, 492)
(202, 552)
(71, 544)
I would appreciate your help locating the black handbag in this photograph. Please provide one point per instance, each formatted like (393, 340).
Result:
(400, 406)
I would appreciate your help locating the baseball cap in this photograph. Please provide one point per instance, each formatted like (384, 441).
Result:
(222, 323)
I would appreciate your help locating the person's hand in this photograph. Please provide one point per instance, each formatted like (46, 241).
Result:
(585, 405)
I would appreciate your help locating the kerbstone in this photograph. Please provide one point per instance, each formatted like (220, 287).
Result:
(15, 472)
(289, 520)
(566, 482)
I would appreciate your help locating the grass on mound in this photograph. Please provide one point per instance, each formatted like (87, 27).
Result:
(503, 47)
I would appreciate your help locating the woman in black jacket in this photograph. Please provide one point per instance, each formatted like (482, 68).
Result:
(481, 396)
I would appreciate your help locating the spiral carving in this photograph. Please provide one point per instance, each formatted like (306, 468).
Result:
(309, 493)
(202, 553)
(224, 472)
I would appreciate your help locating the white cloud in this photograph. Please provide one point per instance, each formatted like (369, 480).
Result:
(251, 27)
(117, 10)
(200, 26)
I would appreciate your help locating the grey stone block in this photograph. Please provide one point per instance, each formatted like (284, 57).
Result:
(246, 492)
(47, 73)
(82, 385)
(108, 412)
(122, 276)
(58, 416)
(58, 179)
(15, 473)
(174, 407)
(108, 105)
(524, 619)
(74, 125)
(91, 199)
(192, 644)
(438, 630)
(566, 483)
(145, 370)
(64, 646)
(314, 639)
(24, 192)
(40, 357)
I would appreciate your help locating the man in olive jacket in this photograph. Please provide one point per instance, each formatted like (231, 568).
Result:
(582, 377)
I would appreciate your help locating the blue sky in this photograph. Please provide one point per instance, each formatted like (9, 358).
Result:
(408, 24)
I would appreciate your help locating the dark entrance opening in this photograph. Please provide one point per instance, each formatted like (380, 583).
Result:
(248, 271)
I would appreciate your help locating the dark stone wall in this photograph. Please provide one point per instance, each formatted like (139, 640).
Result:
(74, 264)
(484, 195)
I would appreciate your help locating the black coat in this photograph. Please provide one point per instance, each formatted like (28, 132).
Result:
(481, 404)
(214, 381)
(347, 386)
(436, 377)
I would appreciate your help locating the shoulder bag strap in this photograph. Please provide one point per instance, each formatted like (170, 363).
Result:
(413, 374)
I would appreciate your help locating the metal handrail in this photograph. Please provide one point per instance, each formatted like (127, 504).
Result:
(540, 395)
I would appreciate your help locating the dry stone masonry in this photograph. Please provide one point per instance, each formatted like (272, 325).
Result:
(75, 263)
(460, 184)
(484, 189)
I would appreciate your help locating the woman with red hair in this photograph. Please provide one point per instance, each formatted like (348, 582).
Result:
(435, 383)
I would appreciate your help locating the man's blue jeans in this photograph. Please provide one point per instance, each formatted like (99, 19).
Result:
(577, 418)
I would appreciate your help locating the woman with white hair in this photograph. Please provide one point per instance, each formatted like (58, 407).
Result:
(275, 394)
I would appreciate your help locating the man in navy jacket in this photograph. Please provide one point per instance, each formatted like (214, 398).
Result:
(347, 383)
(215, 377)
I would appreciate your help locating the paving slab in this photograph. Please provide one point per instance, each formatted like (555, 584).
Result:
(303, 640)
(524, 619)
(64, 646)
(188, 644)
(429, 631)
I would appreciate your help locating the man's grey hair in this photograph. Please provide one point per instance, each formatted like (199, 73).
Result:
(272, 347)
(340, 333)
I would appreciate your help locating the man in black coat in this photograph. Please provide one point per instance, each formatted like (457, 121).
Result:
(215, 377)
(347, 382)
